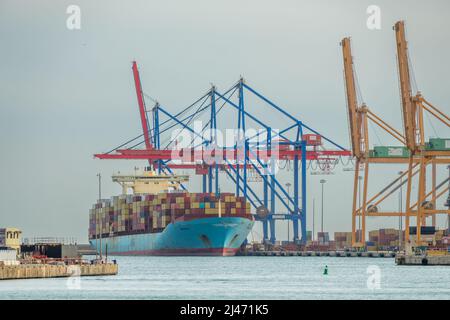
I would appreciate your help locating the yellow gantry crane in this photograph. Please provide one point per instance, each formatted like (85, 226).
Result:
(421, 152)
(358, 116)
(414, 151)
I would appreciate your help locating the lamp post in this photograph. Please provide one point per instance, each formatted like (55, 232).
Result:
(100, 198)
(400, 209)
(359, 204)
(447, 203)
(313, 218)
(322, 182)
(288, 185)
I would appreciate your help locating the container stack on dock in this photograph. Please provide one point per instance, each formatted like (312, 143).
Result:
(343, 240)
(384, 239)
(323, 237)
(388, 239)
(323, 243)
(442, 239)
(127, 214)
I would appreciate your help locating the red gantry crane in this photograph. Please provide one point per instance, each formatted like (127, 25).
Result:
(295, 144)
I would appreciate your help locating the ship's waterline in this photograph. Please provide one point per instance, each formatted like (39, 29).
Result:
(210, 236)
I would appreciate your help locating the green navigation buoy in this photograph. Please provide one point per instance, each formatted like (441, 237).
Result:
(325, 271)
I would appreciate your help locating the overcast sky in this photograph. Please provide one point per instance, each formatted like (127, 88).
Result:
(67, 94)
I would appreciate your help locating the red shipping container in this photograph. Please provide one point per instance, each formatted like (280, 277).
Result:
(312, 139)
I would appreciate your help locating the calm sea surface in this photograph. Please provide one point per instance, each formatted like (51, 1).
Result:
(244, 278)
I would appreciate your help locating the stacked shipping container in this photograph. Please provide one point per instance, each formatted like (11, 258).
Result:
(343, 240)
(129, 214)
(385, 238)
(323, 238)
(382, 239)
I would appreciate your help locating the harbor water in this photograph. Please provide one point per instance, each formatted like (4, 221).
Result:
(244, 278)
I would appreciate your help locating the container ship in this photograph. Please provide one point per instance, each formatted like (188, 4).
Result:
(158, 218)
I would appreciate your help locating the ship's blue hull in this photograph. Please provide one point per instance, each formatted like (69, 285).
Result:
(220, 236)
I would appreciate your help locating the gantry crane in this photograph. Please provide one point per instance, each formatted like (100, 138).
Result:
(413, 107)
(420, 153)
(259, 152)
(358, 117)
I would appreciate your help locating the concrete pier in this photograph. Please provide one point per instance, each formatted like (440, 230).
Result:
(422, 260)
(33, 271)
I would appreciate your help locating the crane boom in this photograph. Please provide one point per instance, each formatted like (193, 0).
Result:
(409, 107)
(352, 102)
(358, 122)
(142, 111)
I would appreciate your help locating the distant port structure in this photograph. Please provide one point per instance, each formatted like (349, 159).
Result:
(283, 137)
(413, 150)
(251, 157)
(46, 258)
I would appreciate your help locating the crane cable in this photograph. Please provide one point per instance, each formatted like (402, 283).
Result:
(218, 111)
(152, 129)
(194, 116)
(358, 88)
